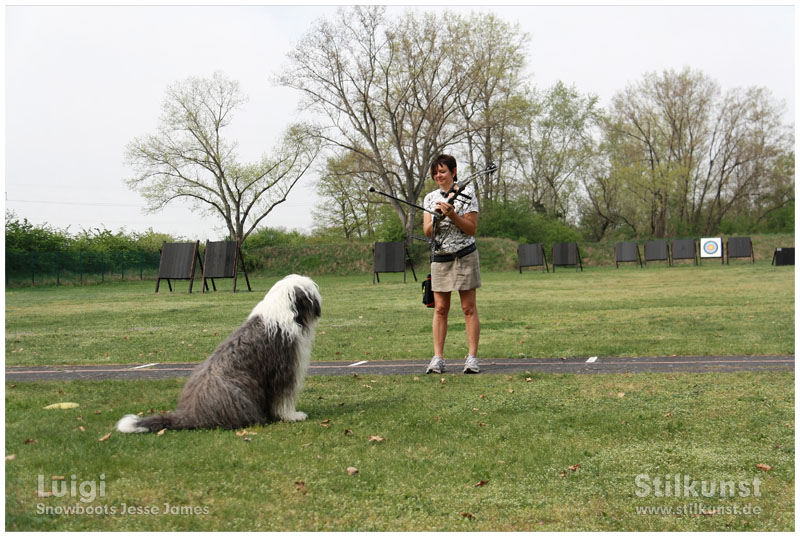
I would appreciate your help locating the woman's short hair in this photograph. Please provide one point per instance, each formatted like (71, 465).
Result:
(447, 160)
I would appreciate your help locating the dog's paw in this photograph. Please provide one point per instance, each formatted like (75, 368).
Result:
(295, 416)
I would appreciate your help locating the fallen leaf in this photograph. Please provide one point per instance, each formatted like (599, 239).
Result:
(300, 486)
(510, 391)
(481, 424)
(481, 483)
(621, 394)
(376, 438)
(528, 379)
(57, 478)
(10, 457)
(161, 432)
(43, 493)
(351, 470)
(764, 467)
(81, 428)
(306, 445)
(30, 441)
(467, 515)
(347, 431)
(62, 406)
(325, 421)
(103, 439)
(574, 467)
(482, 397)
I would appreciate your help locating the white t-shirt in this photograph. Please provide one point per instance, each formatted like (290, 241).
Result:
(450, 237)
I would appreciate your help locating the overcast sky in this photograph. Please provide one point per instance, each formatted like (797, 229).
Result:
(81, 82)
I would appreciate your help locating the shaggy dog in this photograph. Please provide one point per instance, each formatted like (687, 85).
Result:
(256, 374)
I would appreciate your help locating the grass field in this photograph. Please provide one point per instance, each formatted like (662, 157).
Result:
(487, 452)
(458, 453)
(683, 310)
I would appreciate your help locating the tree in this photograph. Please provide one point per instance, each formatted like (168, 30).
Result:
(346, 205)
(554, 148)
(390, 91)
(190, 158)
(682, 156)
(493, 102)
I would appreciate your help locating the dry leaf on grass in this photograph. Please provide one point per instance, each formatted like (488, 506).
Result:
(103, 439)
(376, 438)
(62, 406)
(764, 467)
(31, 441)
(351, 470)
(481, 483)
(10, 457)
(300, 486)
(161, 432)
(467, 515)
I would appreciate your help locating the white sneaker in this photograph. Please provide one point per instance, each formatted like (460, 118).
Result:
(436, 366)
(471, 365)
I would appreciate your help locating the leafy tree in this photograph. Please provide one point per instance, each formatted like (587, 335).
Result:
(555, 148)
(190, 158)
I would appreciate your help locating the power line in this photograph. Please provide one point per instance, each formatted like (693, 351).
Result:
(75, 203)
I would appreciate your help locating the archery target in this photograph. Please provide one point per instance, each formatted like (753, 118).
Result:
(711, 247)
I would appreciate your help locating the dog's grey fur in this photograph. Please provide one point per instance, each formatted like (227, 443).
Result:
(256, 374)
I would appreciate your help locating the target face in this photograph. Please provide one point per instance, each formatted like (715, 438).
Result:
(711, 247)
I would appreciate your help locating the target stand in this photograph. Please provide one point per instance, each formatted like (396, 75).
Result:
(712, 248)
(222, 261)
(390, 257)
(566, 254)
(740, 247)
(684, 249)
(628, 252)
(531, 255)
(657, 251)
(178, 261)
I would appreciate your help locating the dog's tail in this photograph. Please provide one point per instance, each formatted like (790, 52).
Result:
(131, 423)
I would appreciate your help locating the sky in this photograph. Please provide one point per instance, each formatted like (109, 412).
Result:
(81, 82)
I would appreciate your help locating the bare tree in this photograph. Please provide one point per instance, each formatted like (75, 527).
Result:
(684, 156)
(190, 158)
(389, 91)
(492, 104)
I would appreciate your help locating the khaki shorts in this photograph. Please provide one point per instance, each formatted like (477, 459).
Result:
(460, 274)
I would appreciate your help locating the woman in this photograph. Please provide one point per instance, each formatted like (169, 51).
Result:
(454, 266)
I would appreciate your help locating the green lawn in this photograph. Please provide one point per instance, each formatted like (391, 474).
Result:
(458, 453)
(684, 310)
